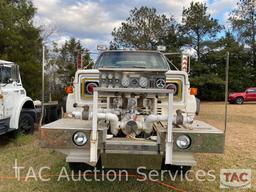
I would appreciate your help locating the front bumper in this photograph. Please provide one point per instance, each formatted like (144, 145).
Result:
(58, 135)
(204, 138)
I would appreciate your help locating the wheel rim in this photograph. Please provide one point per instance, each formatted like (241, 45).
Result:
(239, 100)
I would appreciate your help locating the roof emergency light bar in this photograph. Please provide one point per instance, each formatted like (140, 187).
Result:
(161, 48)
(102, 47)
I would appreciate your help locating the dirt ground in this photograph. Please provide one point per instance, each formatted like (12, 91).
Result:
(239, 153)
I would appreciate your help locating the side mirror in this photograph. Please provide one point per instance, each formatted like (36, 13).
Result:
(102, 47)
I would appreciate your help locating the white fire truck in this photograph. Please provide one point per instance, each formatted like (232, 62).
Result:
(17, 111)
(131, 110)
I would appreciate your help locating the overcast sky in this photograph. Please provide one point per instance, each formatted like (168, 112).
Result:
(92, 21)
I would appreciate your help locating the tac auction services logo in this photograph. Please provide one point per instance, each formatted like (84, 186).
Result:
(235, 178)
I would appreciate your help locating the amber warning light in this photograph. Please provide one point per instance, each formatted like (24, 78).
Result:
(69, 89)
(193, 91)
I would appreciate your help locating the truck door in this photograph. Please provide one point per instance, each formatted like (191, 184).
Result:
(8, 100)
(9, 89)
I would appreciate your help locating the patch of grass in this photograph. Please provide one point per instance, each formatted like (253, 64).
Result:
(239, 153)
(23, 139)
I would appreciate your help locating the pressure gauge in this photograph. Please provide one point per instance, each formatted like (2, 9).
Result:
(110, 76)
(103, 76)
(143, 82)
(125, 82)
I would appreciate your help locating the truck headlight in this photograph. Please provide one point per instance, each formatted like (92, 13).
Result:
(174, 87)
(183, 141)
(89, 87)
(79, 138)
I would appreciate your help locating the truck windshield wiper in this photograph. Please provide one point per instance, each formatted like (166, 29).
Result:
(7, 82)
(4, 84)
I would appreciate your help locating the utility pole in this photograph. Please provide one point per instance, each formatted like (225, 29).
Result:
(226, 92)
(42, 102)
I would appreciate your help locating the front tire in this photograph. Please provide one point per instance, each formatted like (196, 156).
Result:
(239, 100)
(26, 124)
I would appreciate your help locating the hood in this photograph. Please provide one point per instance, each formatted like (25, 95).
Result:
(133, 69)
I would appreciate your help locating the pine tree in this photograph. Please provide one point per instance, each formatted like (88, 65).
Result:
(20, 42)
(145, 29)
(63, 63)
(243, 20)
(198, 26)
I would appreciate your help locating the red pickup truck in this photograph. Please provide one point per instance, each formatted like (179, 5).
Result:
(240, 97)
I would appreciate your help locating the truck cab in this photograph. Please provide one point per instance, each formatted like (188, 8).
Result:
(131, 110)
(17, 111)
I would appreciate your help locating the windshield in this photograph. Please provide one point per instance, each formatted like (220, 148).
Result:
(8, 74)
(149, 60)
